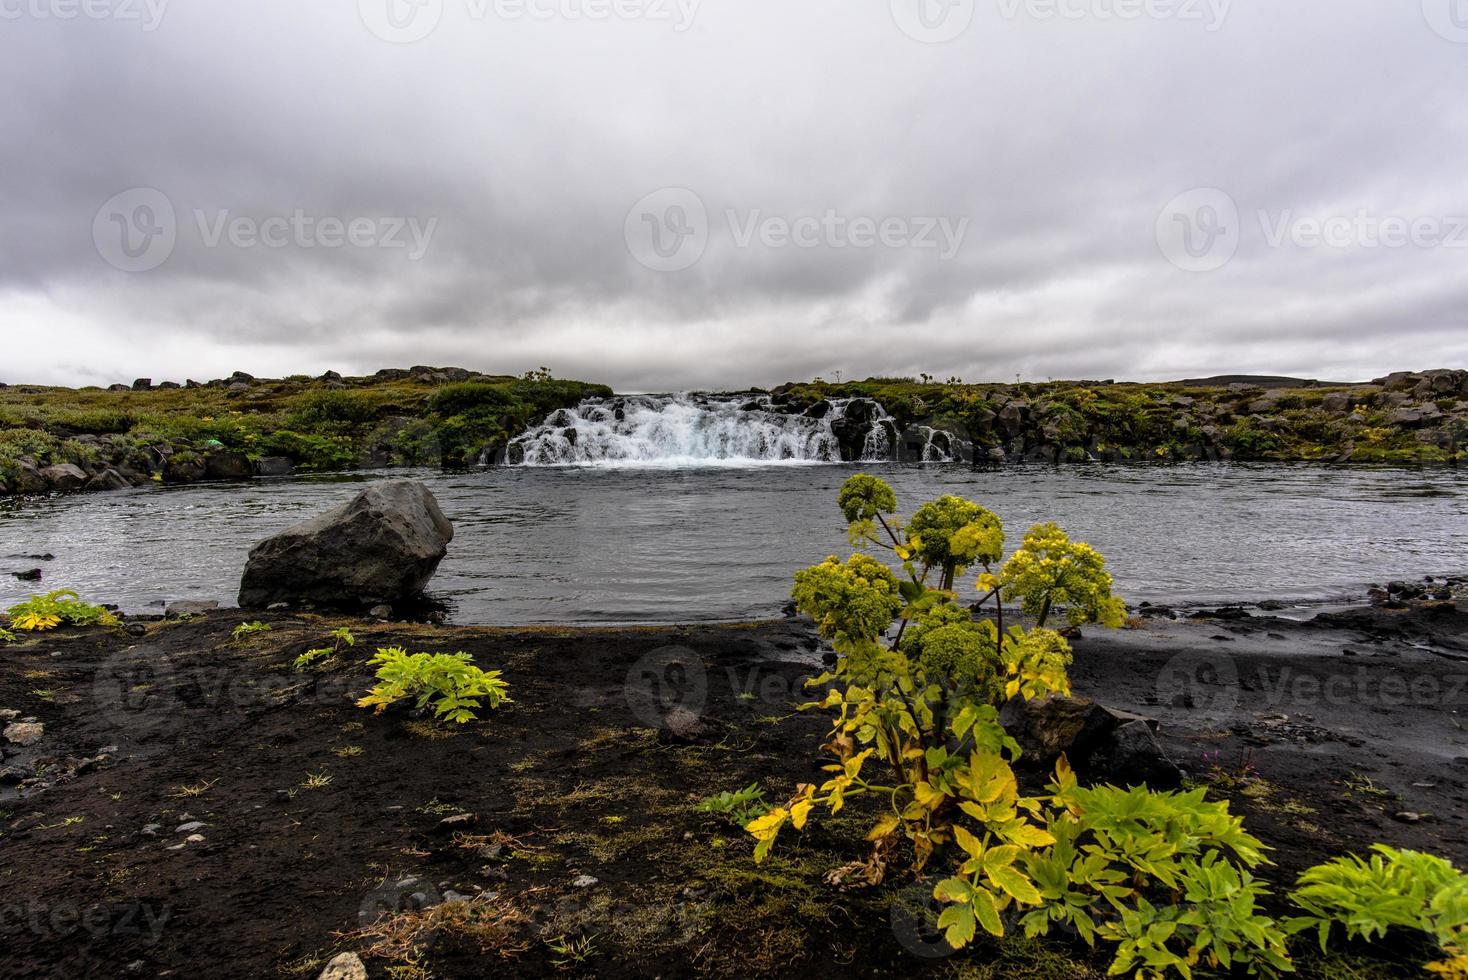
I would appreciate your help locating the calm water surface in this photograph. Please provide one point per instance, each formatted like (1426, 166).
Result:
(590, 545)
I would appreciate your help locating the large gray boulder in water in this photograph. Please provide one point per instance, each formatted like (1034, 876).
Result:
(382, 547)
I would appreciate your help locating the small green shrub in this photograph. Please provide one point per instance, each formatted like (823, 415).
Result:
(56, 608)
(1392, 889)
(341, 638)
(97, 421)
(27, 442)
(739, 807)
(465, 396)
(1164, 876)
(326, 406)
(447, 682)
(246, 630)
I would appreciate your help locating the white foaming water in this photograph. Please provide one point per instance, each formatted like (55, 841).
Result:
(674, 431)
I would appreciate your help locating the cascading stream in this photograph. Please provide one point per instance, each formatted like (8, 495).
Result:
(707, 430)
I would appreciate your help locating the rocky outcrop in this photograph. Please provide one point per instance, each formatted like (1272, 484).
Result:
(64, 476)
(1104, 745)
(382, 547)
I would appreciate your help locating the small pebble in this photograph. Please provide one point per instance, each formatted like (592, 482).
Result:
(585, 881)
(345, 966)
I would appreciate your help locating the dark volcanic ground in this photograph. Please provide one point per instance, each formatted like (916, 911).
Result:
(197, 809)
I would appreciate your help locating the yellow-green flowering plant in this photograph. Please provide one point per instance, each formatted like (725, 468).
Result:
(917, 721)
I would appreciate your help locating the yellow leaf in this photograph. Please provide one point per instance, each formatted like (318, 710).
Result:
(1015, 884)
(1028, 835)
(768, 825)
(800, 812)
(928, 796)
(968, 841)
(884, 827)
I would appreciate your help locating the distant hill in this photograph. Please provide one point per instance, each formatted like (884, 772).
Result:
(1264, 381)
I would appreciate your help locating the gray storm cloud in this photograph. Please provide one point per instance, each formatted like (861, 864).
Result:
(671, 193)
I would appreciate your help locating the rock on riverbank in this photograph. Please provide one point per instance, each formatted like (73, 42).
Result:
(382, 547)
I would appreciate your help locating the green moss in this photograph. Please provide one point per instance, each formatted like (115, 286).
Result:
(318, 425)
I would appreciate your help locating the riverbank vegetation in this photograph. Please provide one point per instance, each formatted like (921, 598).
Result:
(1402, 418)
(238, 427)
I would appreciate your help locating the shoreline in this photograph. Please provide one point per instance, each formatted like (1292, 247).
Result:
(241, 427)
(581, 778)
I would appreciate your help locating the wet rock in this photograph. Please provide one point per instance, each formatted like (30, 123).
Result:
(28, 479)
(108, 479)
(29, 575)
(190, 607)
(24, 733)
(183, 470)
(1103, 744)
(274, 466)
(1047, 727)
(14, 775)
(64, 476)
(382, 547)
(1131, 755)
(228, 466)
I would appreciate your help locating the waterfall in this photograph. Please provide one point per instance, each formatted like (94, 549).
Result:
(710, 430)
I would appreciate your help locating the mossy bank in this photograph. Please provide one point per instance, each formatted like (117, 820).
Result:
(61, 439)
(1404, 418)
(240, 427)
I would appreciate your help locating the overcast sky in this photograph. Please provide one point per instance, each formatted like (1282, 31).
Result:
(663, 194)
